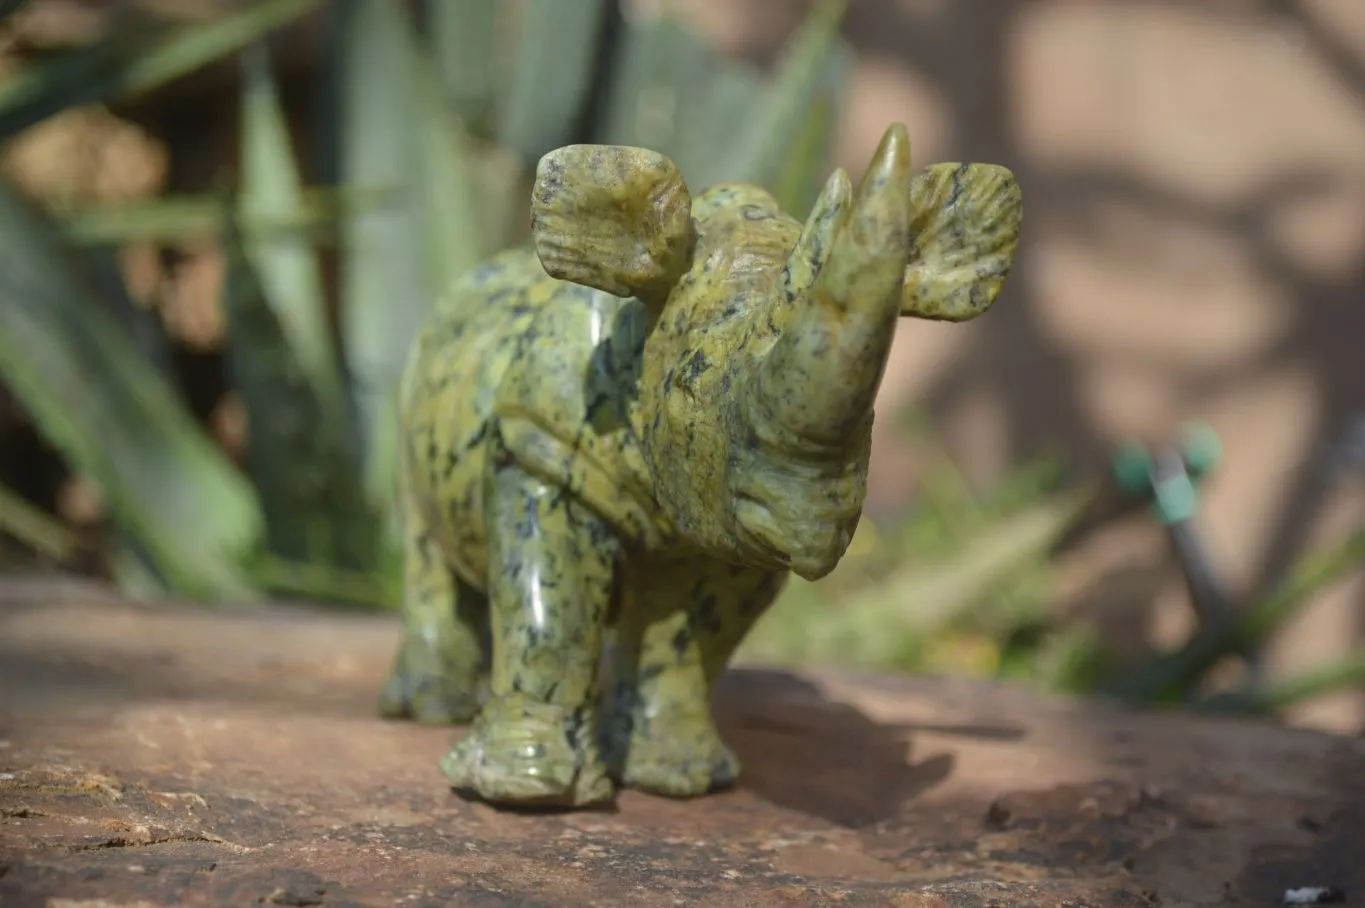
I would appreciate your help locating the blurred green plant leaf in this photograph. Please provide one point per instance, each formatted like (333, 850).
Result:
(733, 95)
(376, 589)
(271, 189)
(801, 174)
(1167, 678)
(932, 595)
(110, 414)
(297, 453)
(384, 287)
(502, 193)
(395, 131)
(134, 60)
(171, 219)
(463, 35)
(661, 80)
(558, 46)
(674, 93)
(36, 529)
(456, 240)
(1275, 696)
(802, 75)
(133, 567)
(1069, 659)
(869, 627)
(281, 358)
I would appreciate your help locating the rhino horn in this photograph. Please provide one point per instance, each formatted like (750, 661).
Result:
(843, 295)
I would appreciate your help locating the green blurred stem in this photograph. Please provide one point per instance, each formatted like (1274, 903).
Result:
(1166, 677)
(321, 583)
(1348, 672)
(39, 531)
(395, 129)
(1309, 685)
(179, 219)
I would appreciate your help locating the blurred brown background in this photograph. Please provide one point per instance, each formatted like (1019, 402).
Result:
(1194, 176)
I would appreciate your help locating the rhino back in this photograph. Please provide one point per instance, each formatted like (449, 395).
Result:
(553, 364)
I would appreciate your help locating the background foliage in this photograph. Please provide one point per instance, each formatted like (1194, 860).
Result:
(335, 235)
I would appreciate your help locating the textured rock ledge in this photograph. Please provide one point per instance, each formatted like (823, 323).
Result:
(155, 756)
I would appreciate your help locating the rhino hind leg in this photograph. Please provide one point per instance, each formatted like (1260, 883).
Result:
(675, 636)
(441, 672)
(550, 581)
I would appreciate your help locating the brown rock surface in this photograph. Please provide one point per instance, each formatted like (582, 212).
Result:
(156, 756)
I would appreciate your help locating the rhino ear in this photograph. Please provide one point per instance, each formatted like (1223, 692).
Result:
(964, 230)
(612, 217)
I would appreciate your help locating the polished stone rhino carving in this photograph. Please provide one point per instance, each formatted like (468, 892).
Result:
(646, 423)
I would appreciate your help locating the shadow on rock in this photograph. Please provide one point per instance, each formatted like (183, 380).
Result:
(806, 753)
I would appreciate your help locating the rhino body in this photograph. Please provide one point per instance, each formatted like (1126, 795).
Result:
(648, 422)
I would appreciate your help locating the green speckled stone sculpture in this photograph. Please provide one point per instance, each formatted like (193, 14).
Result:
(646, 423)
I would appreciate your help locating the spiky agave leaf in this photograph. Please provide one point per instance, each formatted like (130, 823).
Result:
(115, 420)
(463, 35)
(674, 93)
(136, 60)
(270, 188)
(299, 453)
(808, 64)
(799, 176)
(394, 131)
(282, 359)
(662, 79)
(558, 50)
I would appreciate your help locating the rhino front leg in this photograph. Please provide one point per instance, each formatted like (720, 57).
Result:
(550, 565)
(441, 664)
(677, 631)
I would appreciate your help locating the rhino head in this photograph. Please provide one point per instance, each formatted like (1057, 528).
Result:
(768, 338)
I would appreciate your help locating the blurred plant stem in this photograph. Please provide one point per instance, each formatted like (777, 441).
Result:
(1168, 677)
(302, 455)
(38, 531)
(1276, 696)
(175, 220)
